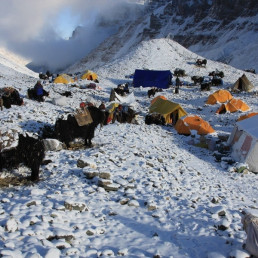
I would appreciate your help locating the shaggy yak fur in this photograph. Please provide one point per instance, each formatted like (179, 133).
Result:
(197, 79)
(216, 81)
(154, 119)
(179, 72)
(10, 96)
(201, 62)
(217, 73)
(67, 130)
(32, 94)
(153, 91)
(205, 86)
(30, 152)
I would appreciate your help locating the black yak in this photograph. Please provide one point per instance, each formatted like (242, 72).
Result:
(30, 151)
(201, 62)
(179, 72)
(157, 119)
(67, 130)
(10, 96)
(153, 91)
(197, 79)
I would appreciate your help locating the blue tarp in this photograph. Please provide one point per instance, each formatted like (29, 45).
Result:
(152, 78)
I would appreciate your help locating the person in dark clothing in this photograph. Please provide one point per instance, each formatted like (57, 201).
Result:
(39, 91)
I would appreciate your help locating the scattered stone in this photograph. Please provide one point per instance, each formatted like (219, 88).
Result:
(151, 207)
(86, 163)
(104, 175)
(133, 203)
(33, 203)
(124, 201)
(11, 225)
(75, 206)
(222, 213)
(215, 200)
(122, 252)
(90, 174)
(104, 182)
(53, 145)
(223, 225)
(90, 232)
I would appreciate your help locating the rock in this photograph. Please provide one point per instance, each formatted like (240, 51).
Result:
(104, 175)
(53, 145)
(86, 163)
(90, 232)
(133, 203)
(75, 206)
(124, 201)
(11, 225)
(90, 174)
(151, 207)
(104, 182)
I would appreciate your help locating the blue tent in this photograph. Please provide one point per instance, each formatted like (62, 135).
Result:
(152, 78)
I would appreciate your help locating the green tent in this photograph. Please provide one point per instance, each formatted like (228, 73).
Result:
(166, 108)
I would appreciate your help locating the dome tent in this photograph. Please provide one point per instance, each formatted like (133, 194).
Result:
(193, 122)
(220, 96)
(232, 106)
(89, 75)
(63, 78)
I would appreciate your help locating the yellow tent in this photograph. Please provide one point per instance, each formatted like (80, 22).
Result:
(63, 78)
(219, 96)
(247, 116)
(185, 125)
(232, 106)
(167, 108)
(89, 75)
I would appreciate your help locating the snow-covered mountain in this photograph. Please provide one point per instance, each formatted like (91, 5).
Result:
(225, 31)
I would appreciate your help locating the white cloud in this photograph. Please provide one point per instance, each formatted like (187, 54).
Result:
(30, 27)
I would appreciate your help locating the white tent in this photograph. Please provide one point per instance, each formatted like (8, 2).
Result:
(244, 142)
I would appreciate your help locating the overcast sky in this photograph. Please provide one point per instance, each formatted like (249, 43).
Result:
(38, 29)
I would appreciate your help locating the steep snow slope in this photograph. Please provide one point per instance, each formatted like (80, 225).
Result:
(15, 62)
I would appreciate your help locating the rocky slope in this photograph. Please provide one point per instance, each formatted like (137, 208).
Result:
(225, 31)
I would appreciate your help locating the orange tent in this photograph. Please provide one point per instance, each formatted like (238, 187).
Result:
(232, 106)
(219, 96)
(158, 97)
(192, 122)
(247, 116)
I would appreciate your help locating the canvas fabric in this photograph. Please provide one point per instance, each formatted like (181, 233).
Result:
(83, 117)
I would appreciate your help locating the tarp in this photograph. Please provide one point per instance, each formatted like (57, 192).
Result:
(220, 96)
(166, 108)
(89, 75)
(232, 106)
(242, 84)
(152, 78)
(63, 78)
(129, 99)
(193, 122)
(244, 142)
